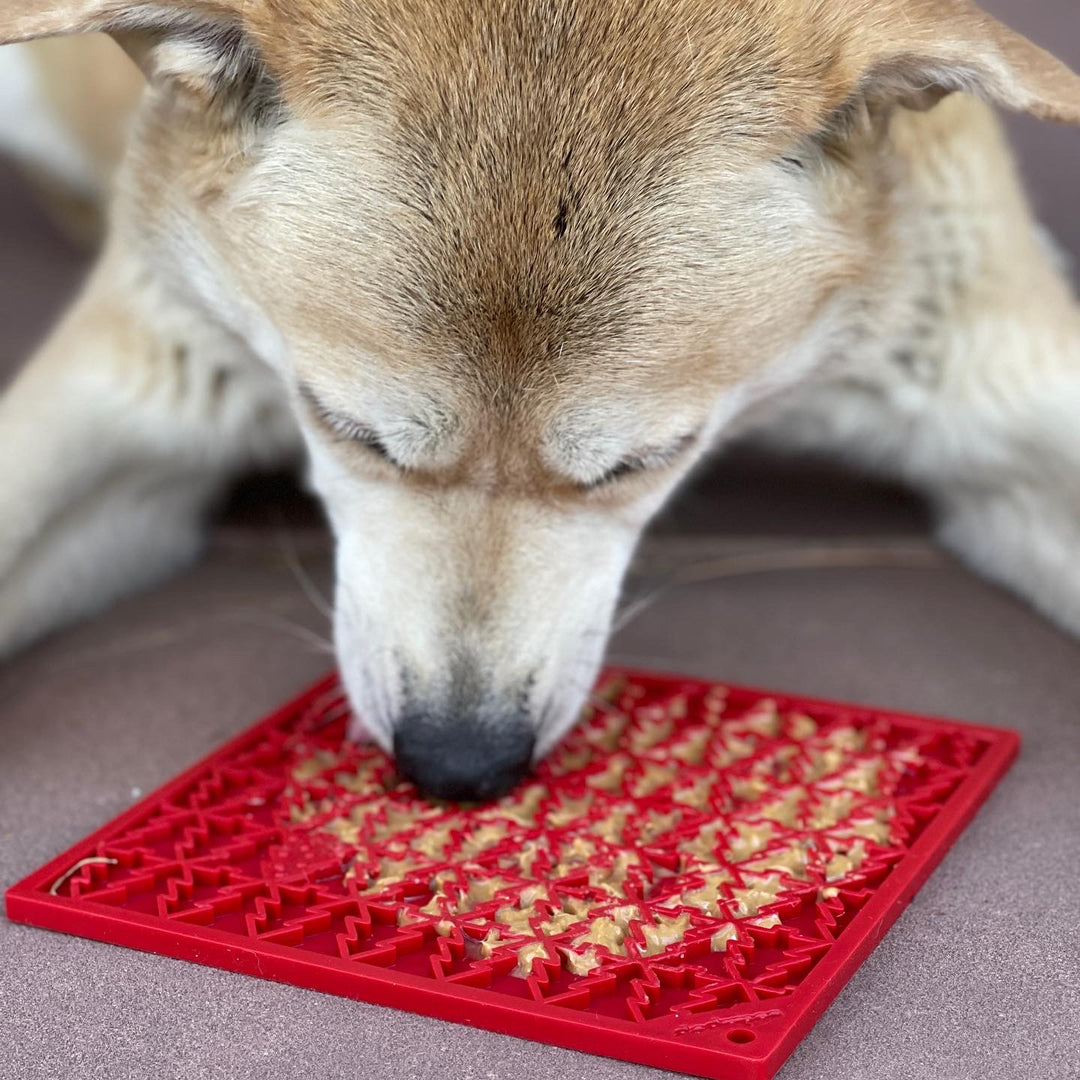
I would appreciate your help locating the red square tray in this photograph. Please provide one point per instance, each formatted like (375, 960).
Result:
(731, 855)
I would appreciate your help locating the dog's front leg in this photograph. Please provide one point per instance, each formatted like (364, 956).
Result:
(962, 373)
(114, 440)
(989, 430)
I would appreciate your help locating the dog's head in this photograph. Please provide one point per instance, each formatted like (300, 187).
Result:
(519, 263)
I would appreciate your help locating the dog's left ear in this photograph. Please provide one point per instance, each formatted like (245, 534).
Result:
(915, 52)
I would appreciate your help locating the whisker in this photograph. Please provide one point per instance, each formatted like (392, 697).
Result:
(319, 602)
(913, 556)
(314, 640)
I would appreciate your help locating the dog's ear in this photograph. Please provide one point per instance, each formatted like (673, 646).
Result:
(206, 35)
(201, 47)
(23, 20)
(915, 52)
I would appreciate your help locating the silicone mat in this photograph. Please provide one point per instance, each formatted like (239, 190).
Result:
(687, 881)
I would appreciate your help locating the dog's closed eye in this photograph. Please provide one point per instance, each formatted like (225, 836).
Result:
(345, 429)
(643, 461)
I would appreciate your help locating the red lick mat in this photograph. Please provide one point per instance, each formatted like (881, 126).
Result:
(687, 881)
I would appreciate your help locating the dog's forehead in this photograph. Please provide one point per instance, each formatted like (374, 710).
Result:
(537, 160)
(732, 54)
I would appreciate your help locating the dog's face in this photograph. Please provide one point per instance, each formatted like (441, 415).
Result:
(518, 263)
(516, 300)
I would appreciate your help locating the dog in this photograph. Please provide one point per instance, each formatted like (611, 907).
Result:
(502, 272)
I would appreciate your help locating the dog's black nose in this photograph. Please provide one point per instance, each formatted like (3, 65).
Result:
(464, 760)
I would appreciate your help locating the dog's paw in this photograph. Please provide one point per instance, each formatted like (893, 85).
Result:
(1024, 540)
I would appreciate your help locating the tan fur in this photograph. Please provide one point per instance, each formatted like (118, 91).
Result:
(518, 264)
(92, 89)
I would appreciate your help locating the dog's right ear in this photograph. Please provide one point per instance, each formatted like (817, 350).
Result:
(201, 44)
(23, 20)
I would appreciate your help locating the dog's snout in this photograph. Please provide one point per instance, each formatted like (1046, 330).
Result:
(464, 759)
